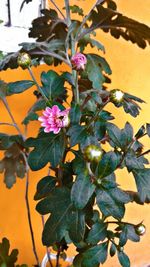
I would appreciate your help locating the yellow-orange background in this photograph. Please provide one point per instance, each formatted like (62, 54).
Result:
(131, 73)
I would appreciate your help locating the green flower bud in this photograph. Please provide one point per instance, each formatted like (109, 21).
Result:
(116, 97)
(24, 60)
(140, 229)
(93, 153)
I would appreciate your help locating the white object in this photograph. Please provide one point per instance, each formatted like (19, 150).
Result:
(53, 257)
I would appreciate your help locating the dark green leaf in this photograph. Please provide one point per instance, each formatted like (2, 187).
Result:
(118, 26)
(123, 259)
(3, 89)
(97, 233)
(75, 114)
(59, 205)
(148, 128)
(19, 87)
(53, 85)
(82, 190)
(131, 233)
(123, 237)
(113, 250)
(133, 162)
(44, 187)
(132, 108)
(140, 132)
(47, 148)
(94, 68)
(111, 202)
(30, 117)
(107, 164)
(142, 179)
(82, 44)
(77, 134)
(95, 255)
(77, 226)
(5, 257)
(76, 9)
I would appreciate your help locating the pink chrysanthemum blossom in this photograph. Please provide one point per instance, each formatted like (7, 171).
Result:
(54, 119)
(78, 61)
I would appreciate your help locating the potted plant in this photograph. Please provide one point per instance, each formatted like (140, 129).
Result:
(77, 139)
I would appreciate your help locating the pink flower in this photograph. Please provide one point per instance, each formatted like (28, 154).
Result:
(54, 119)
(78, 61)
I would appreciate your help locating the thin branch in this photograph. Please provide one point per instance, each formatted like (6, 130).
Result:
(4, 100)
(47, 250)
(86, 17)
(38, 87)
(7, 123)
(57, 258)
(52, 54)
(55, 5)
(67, 6)
(29, 217)
(27, 180)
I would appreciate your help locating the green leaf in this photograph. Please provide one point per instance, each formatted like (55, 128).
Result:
(75, 114)
(30, 117)
(77, 226)
(82, 190)
(59, 205)
(95, 255)
(132, 161)
(94, 68)
(123, 259)
(76, 9)
(118, 26)
(107, 164)
(82, 44)
(5, 257)
(148, 128)
(45, 186)
(48, 147)
(113, 250)
(97, 233)
(19, 87)
(120, 138)
(78, 134)
(111, 202)
(53, 85)
(3, 89)
(142, 179)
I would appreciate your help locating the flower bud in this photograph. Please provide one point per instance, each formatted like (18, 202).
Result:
(24, 60)
(78, 61)
(116, 97)
(140, 229)
(93, 153)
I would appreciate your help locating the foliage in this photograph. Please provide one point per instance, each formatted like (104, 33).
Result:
(71, 189)
(7, 258)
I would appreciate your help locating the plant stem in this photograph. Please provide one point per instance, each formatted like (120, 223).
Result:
(68, 12)
(55, 5)
(29, 218)
(4, 100)
(47, 250)
(38, 87)
(27, 180)
(57, 258)
(116, 222)
(86, 18)
(7, 124)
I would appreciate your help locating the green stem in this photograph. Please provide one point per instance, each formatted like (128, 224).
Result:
(67, 6)
(38, 87)
(55, 5)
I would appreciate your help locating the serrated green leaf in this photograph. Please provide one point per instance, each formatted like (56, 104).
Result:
(5, 257)
(76, 9)
(59, 205)
(94, 68)
(77, 226)
(75, 114)
(95, 255)
(53, 85)
(77, 134)
(123, 259)
(30, 117)
(111, 202)
(107, 164)
(44, 187)
(118, 25)
(82, 190)
(97, 233)
(47, 148)
(19, 87)
(82, 44)
(142, 179)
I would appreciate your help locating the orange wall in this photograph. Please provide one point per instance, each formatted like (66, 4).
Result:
(131, 73)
